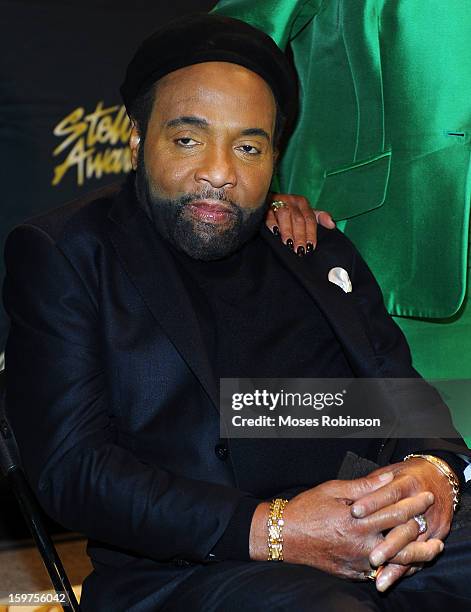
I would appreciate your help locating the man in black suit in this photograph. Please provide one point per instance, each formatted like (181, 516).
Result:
(128, 307)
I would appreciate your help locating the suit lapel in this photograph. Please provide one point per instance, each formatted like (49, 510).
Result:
(140, 249)
(337, 306)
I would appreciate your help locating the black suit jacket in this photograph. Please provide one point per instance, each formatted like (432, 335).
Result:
(110, 392)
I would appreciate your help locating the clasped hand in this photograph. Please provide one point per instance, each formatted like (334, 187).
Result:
(347, 527)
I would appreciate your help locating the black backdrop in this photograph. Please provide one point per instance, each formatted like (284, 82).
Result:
(63, 131)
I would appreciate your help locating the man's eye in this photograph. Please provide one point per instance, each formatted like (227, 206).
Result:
(249, 149)
(186, 142)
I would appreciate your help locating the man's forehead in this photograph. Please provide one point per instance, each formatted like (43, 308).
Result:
(209, 91)
(196, 77)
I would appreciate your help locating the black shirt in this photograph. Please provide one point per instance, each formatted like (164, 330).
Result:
(258, 321)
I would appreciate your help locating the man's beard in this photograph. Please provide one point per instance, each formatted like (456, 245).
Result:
(199, 240)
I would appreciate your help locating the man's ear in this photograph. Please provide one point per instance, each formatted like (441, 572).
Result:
(134, 144)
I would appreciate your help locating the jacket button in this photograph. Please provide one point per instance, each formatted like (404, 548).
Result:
(221, 451)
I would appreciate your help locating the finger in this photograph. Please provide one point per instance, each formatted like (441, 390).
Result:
(419, 552)
(325, 219)
(358, 488)
(394, 573)
(389, 575)
(301, 205)
(270, 221)
(399, 513)
(301, 216)
(414, 569)
(395, 541)
(298, 224)
(401, 487)
(283, 221)
(311, 231)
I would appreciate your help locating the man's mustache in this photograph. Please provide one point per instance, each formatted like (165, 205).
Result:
(208, 194)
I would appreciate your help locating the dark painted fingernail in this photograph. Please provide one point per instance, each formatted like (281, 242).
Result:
(290, 243)
(276, 230)
(309, 247)
(301, 252)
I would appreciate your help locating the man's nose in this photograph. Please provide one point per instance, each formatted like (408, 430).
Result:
(217, 168)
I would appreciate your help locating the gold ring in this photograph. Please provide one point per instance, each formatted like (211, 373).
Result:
(371, 574)
(276, 204)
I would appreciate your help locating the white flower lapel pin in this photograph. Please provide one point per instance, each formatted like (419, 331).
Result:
(340, 277)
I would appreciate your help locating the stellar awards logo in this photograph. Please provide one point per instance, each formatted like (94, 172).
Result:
(94, 144)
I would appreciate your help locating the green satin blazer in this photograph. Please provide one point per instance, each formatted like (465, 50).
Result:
(383, 138)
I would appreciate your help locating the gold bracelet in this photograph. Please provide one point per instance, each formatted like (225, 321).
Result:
(275, 529)
(446, 471)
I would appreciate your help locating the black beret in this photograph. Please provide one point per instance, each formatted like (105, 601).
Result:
(199, 38)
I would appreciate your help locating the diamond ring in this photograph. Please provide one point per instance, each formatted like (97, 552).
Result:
(421, 522)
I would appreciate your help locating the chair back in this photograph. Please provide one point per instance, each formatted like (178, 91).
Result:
(10, 466)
